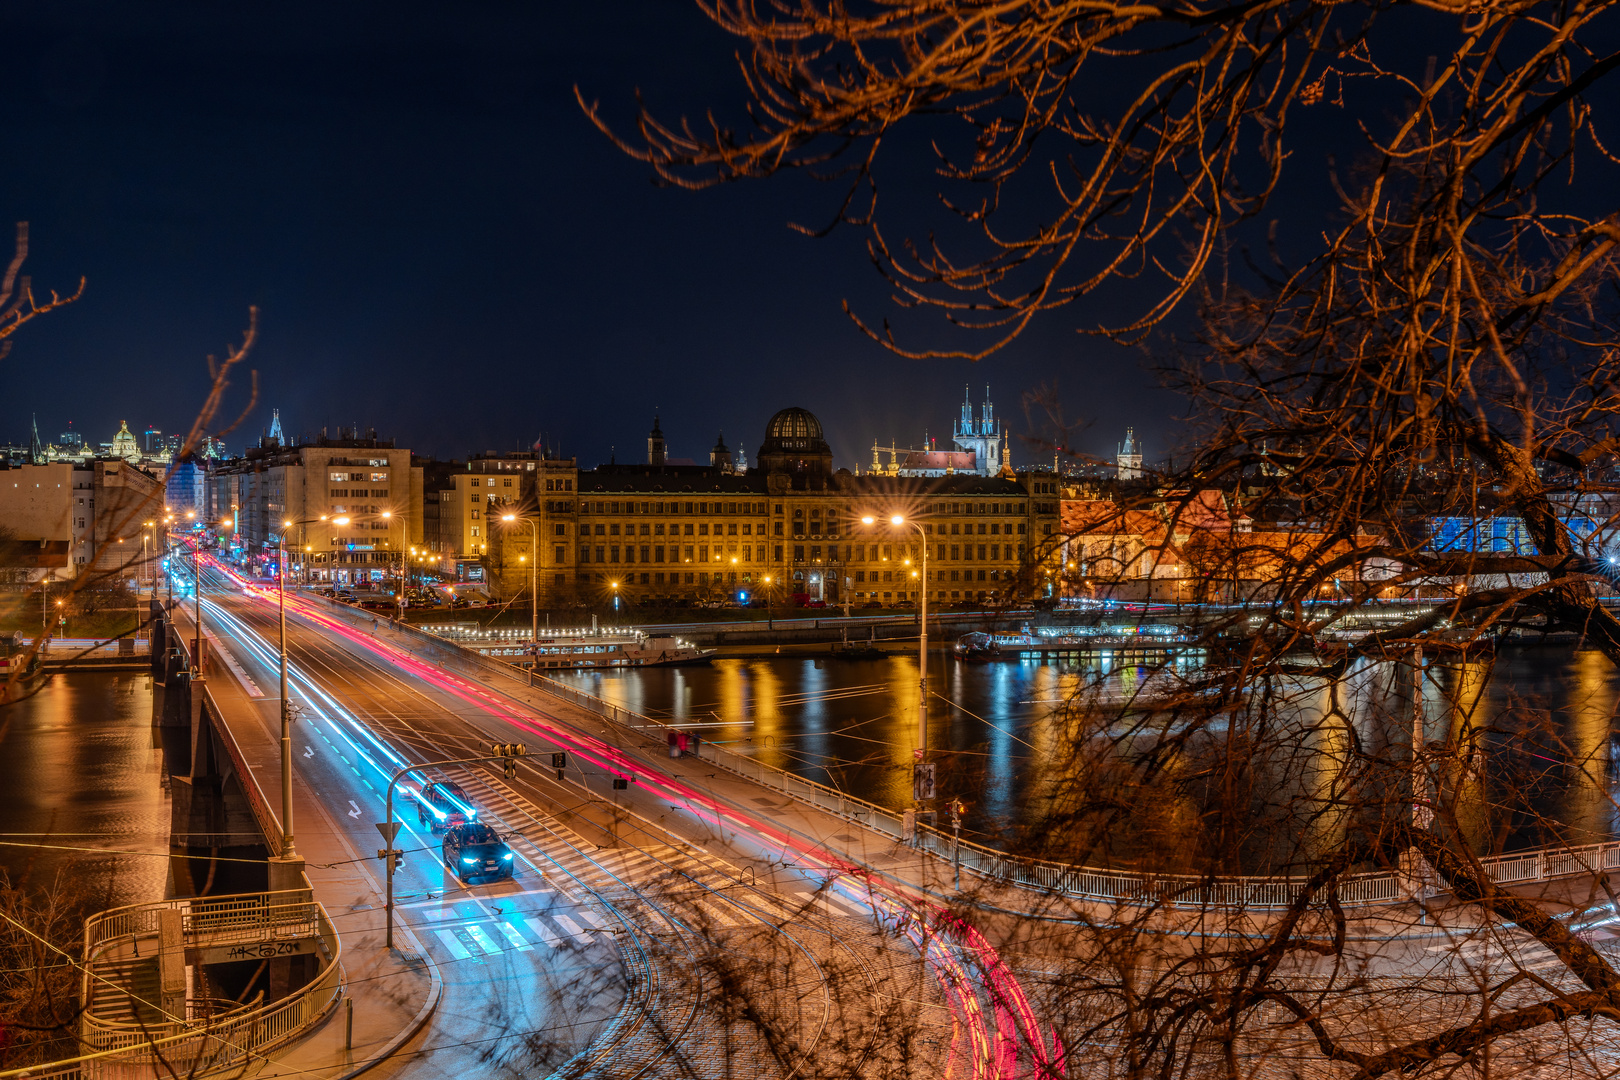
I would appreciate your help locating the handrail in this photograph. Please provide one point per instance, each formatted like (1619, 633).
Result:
(1047, 875)
(215, 1045)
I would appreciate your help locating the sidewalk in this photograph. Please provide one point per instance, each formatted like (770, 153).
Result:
(390, 995)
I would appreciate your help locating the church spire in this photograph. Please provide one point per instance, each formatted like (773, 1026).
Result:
(36, 455)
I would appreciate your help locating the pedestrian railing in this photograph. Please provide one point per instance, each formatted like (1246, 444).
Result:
(213, 1044)
(1050, 876)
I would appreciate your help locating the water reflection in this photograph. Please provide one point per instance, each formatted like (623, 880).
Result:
(81, 768)
(1542, 720)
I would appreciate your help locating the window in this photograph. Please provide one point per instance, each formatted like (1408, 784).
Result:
(778, 508)
(507, 482)
(798, 553)
(747, 530)
(613, 554)
(475, 481)
(562, 530)
(778, 553)
(475, 515)
(475, 530)
(379, 477)
(703, 530)
(779, 526)
(561, 555)
(730, 531)
(338, 476)
(956, 529)
(645, 530)
(613, 530)
(689, 528)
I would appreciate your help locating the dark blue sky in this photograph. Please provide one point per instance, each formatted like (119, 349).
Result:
(441, 246)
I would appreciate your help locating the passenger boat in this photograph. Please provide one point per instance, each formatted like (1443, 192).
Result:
(14, 654)
(594, 649)
(1054, 642)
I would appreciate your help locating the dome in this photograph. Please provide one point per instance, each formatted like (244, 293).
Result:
(793, 423)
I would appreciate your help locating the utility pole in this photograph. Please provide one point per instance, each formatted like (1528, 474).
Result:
(392, 857)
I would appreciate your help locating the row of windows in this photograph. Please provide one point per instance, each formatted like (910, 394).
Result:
(505, 482)
(358, 493)
(656, 553)
(354, 477)
(697, 577)
(623, 507)
(657, 528)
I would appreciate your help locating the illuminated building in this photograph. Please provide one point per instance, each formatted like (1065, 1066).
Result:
(660, 533)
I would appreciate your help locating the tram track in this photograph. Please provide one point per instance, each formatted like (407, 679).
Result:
(656, 1028)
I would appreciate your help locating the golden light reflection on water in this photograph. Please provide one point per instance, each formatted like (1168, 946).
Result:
(1022, 731)
(79, 768)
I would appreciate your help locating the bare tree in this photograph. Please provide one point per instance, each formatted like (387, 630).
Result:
(1437, 345)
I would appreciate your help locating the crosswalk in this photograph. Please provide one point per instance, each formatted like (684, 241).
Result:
(691, 884)
(481, 935)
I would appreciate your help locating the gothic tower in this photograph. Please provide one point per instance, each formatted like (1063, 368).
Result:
(1128, 461)
(655, 444)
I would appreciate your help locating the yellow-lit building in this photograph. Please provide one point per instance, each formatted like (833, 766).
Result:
(660, 532)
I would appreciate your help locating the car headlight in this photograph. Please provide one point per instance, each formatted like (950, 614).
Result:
(508, 855)
(469, 859)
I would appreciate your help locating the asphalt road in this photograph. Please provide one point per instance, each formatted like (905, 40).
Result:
(734, 960)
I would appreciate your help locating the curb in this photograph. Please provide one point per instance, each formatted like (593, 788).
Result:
(418, 1022)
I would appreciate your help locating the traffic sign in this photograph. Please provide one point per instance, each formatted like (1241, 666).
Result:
(389, 830)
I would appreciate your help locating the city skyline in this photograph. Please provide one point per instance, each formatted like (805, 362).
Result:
(440, 245)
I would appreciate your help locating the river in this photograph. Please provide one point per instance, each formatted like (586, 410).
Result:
(82, 767)
(1545, 716)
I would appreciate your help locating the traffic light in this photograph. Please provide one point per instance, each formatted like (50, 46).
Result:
(559, 762)
(620, 783)
(508, 753)
(399, 859)
(393, 858)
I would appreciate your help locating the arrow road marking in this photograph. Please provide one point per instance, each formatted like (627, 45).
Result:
(309, 751)
(356, 811)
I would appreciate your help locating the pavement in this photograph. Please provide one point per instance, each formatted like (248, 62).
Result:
(388, 995)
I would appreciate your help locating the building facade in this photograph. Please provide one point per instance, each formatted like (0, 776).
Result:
(368, 481)
(790, 527)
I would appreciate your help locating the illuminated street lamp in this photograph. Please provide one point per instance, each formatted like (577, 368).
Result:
(534, 570)
(288, 851)
(921, 754)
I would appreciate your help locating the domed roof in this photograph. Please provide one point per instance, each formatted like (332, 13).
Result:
(794, 423)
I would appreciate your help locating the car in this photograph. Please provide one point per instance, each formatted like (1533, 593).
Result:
(905, 603)
(475, 850)
(443, 805)
(461, 602)
(872, 604)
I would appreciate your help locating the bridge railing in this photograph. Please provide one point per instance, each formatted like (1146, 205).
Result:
(1079, 882)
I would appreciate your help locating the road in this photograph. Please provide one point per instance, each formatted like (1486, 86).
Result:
(733, 948)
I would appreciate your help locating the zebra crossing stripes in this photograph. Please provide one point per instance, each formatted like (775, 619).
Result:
(831, 903)
(572, 929)
(517, 939)
(483, 940)
(453, 943)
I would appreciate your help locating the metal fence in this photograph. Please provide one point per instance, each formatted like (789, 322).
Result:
(204, 1047)
(1047, 876)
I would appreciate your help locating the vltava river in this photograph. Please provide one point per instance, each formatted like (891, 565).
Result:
(1546, 722)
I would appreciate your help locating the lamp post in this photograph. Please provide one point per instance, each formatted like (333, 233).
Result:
(288, 851)
(534, 575)
(919, 785)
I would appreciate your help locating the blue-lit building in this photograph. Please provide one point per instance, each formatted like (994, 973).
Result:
(1497, 535)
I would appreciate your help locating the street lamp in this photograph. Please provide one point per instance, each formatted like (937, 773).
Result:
(920, 756)
(534, 578)
(288, 851)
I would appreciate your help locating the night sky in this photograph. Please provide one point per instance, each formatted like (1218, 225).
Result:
(442, 247)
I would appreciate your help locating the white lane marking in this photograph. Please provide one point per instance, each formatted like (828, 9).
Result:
(453, 943)
(309, 751)
(828, 902)
(485, 942)
(540, 929)
(572, 929)
(356, 811)
(717, 912)
(587, 915)
(517, 939)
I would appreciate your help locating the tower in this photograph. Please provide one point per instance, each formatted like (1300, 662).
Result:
(720, 456)
(275, 428)
(655, 444)
(35, 455)
(981, 437)
(1128, 461)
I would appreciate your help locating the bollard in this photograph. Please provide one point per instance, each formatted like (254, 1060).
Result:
(348, 1024)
